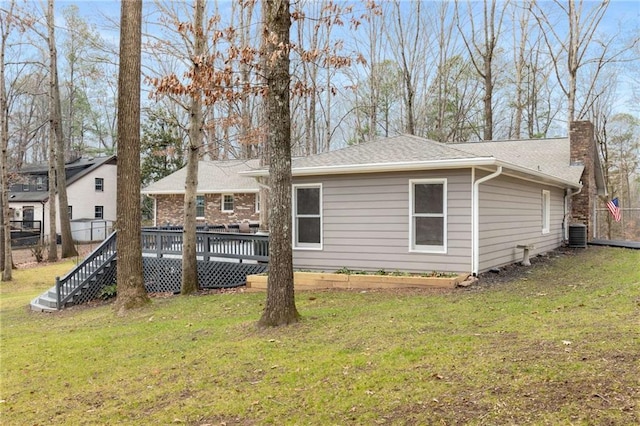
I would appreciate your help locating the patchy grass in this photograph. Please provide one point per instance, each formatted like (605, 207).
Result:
(560, 346)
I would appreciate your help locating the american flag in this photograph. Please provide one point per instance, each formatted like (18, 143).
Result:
(614, 208)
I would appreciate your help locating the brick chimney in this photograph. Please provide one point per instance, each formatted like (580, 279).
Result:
(584, 152)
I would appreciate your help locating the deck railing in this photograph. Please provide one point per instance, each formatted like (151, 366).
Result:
(209, 245)
(74, 281)
(162, 243)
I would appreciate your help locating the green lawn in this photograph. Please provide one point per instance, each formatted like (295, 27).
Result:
(561, 346)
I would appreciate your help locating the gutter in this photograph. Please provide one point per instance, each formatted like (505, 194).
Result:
(380, 167)
(536, 176)
(475, 225)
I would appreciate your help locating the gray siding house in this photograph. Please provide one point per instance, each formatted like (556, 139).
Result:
(410, 204)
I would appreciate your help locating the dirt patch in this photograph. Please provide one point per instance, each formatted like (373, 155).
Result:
(516, 271)
(24, 258)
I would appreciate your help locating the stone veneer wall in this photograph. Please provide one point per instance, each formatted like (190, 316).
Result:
(584, 151)
(170, 209)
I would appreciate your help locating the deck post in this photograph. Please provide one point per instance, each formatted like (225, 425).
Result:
(58, 293)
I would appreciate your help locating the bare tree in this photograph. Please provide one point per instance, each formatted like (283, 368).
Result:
(410, 41)
(572, 48)
(131, 290)
(482, 51)
(68, 248)
(280, 307)
(189, 260)
(7, 24)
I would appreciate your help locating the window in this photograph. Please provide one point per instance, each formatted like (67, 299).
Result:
(199, 205)
(99, 212)
(546, 211)
(227, 203)
(428, 227)
(99, 184)
(307, 216)
(70, 210)
(40, 183)
(257, 202)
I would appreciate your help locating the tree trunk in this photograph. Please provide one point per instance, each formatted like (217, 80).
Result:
(52, 254)
(6, 212)
(131, 291)
(189, 260)
(68, 248)
(189, 282)
(7, 261)
(488, 100)
(280, 308)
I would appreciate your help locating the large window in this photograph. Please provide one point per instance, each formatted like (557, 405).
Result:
(99, 184)
(546, 211)
(428, 215)
(199, 205)
(99, 212)
(307, 216)
(227, 203)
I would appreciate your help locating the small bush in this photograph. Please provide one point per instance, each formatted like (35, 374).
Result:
(38, 252)
(344, 270)
(109, 292)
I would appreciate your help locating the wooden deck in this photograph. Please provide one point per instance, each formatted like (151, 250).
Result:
(616, 243)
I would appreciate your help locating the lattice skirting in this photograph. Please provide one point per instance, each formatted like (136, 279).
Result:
(94, 288)
(164, 275)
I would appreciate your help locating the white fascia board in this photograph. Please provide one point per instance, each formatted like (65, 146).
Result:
(424, 165)
(381, 167)
(541, 177)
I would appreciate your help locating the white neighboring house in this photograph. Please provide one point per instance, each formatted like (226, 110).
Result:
(91, 193)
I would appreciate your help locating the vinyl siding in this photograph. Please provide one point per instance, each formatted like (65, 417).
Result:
(511, 214)
(366, 224)
(83, 197)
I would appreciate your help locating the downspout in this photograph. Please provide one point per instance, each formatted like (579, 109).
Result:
(475, 226)
(567, 199)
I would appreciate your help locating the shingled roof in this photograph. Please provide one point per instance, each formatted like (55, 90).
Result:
(547, 156)
(214, 177)
(544, 159)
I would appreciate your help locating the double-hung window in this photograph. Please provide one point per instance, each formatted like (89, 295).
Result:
(307, 216)
(99, 212)
(227, 203)
(199, 205)
(546, 211)
(99, 184)
(428, 215)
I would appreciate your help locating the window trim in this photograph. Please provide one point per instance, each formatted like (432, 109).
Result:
(546, 211)
(413, 248)
(294, 217)
(204, 206)
(100, 187)
(95, 210)
(222, 203)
